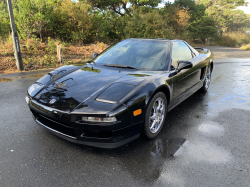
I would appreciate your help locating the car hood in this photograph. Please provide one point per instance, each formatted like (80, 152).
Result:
(72, 88)
(90, 79)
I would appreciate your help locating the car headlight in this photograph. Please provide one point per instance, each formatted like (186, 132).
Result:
(27, 99)
(98, 119)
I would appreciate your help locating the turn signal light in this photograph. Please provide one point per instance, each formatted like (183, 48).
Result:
(137, 112)
(97, 119)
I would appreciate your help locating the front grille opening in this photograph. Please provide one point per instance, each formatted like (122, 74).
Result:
(96, 134)
(56, 121)
(67, 130)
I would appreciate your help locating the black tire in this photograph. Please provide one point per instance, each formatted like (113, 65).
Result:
(207, 80)
(160, 115)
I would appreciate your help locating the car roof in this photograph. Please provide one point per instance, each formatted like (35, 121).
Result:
(174, 40)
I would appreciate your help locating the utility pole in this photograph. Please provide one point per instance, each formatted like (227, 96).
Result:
(16, 46)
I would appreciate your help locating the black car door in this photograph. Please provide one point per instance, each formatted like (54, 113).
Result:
(187, 78)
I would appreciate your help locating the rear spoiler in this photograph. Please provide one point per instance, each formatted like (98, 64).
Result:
(201, 49)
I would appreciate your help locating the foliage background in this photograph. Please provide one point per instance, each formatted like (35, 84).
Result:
(91, 21)
(88, 26)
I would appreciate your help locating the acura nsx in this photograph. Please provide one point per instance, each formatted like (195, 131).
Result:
(123, 92)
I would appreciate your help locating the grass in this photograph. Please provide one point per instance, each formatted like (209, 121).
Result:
(233, 39)
(5, 79)
(245, 47)
(39, 55)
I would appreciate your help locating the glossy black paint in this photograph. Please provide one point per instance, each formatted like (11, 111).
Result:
(113, 92)
(100, 91)
(184, 65)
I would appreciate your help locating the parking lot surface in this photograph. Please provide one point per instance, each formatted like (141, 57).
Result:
(205, 141)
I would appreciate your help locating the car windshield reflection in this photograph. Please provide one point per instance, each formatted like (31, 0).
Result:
(141, 54)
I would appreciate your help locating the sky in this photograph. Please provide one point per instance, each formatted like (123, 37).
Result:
(245, 9)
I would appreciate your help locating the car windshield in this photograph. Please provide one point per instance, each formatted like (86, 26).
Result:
(141, 54)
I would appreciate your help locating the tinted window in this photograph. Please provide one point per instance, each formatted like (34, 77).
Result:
(144, 54)
(180, 51)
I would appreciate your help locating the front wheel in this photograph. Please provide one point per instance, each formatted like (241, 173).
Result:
(207, 80)
(155, 115)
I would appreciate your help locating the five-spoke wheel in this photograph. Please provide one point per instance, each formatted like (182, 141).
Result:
(156, 115)
(207, 80)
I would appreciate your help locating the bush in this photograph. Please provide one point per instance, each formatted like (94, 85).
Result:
(101, 45)
(147, 25)
(233, 39)
(49, 61)
(226, 41)
(33, 44)
(246, 47)
(7, 45)
(4, 21)
(51, 46)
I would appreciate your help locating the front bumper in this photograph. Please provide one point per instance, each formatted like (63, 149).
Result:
(97, 135)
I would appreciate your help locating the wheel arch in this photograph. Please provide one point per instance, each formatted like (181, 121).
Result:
(163, 88)
(166, 91)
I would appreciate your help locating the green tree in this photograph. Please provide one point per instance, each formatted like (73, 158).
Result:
(123, 7)
(32, 17)
(147, 25)
(221, 11)
(196, 12)
(4, 20)
(203, 29)
(190, 4)
(227, 4)
(73, 21)
(177, 18)
(237, 20)
(248, 17)
(103, 25)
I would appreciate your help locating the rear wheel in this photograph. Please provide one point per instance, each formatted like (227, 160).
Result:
(155, 115)
(207, 80)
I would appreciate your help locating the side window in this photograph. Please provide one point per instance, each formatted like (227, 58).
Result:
(180, 51)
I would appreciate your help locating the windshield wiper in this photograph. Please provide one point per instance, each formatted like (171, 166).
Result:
(91, 61)
(120, 66)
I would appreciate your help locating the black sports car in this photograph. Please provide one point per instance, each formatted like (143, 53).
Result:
(123, 92)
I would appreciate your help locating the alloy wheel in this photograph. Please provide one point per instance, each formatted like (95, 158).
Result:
(157, 115)
(208, 78)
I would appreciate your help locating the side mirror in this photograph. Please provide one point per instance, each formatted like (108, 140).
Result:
(95, 55)
(183, 64)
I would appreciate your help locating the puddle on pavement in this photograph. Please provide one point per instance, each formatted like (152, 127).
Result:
(153, 154)
(234, 101)
(169, 149)
(211, 129)
(205, 151)
(2, 79)
(35, 76)
(213, 94)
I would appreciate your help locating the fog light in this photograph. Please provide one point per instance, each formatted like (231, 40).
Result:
(98, 119)
(27, 99)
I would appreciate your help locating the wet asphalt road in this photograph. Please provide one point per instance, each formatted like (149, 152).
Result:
(205, 142)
